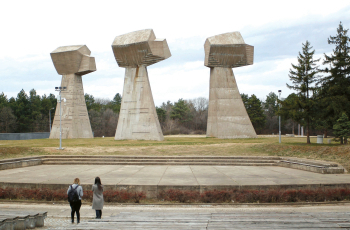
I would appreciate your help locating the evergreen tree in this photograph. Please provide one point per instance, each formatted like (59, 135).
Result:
(36, 117)
(270, 104)
(181, 111)
(335, 93)
(303, 77)
(342, 128)
(256, 113)
(116, 103)
(90, 101)
(21, 109)
(7, 120)
(245, 99)
(290, 109)
(3, 100)
(161, 113)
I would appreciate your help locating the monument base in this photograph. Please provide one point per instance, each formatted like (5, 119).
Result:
(227, 116)
(138, 118)
(75, 118)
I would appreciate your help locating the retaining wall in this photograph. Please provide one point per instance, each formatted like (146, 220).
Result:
(24, 136)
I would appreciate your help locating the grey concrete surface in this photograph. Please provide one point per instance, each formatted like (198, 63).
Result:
(170, 175)
(202, 216)
(72, 62)
(227, 115)
(135, 51)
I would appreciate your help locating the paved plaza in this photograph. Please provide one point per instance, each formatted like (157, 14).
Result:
(169, 175)
(327, 216)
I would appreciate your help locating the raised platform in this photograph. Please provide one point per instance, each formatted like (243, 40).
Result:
(59, 173)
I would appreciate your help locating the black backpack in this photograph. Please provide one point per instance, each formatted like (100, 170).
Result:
(73, 194)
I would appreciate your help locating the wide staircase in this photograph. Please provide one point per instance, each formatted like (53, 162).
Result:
(289, 162)
(234, 220)
(154, 160)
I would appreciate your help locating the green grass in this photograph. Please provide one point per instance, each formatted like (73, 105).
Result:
(181, 146)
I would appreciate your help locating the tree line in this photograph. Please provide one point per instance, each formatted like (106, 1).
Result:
(30, 113)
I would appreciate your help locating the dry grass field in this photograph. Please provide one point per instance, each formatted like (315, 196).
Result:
(182, 145)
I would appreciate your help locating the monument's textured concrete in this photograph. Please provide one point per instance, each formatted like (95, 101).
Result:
(227, 116)
(135, 51)
(72, 62)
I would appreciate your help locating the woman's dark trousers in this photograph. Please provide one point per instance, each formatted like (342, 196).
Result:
(75, 206)
(98, 214)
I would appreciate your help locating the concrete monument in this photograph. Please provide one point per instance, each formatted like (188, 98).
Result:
(72, 62)
(135, 51)
(227, 116)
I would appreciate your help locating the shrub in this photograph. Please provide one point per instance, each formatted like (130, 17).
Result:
(61, 195)
(188, 196)
(179, 195)
(254, 196)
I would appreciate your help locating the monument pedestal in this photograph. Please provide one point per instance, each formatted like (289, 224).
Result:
(75, 118)
(138, 117)
(227, 116)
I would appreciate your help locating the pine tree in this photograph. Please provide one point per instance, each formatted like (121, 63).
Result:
(161, 113)
(342, 128)
(22, 111)
(181, 111)
(7, 120)
(35, 114)
(3, 100)
(271, 104)
(335, 93)
(304, 76)
(256, 113)
(117, 102)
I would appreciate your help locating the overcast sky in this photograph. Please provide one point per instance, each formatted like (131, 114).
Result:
(30, 30)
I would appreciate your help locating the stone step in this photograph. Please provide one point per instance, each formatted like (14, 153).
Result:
(155, 163)
(161, 157)
(239, 220)
(160, 160)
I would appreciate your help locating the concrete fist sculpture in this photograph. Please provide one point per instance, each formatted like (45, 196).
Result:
(72, 62)
(135, 51)
(227, 116)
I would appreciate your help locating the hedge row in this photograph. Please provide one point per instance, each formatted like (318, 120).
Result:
(256, 196)
(120, 196)
(186, 196)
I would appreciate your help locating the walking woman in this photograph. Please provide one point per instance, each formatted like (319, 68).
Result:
(97, 200)
(75, 192)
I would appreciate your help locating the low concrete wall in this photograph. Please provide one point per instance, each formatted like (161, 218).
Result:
(152, 191)
(24, 136)
(20, 162)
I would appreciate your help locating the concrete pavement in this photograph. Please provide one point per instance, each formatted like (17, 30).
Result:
(228, 216)
(155, 177)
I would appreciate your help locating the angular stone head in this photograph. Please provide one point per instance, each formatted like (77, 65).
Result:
(73, 60)
(139, 48)
(228, 50)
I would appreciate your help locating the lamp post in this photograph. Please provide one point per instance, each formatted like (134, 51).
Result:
(50, 118)
(59, 99)
(279, 116)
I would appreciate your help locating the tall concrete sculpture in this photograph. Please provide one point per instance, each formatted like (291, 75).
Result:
(72, 62)
(227, 116)
(135, 51)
